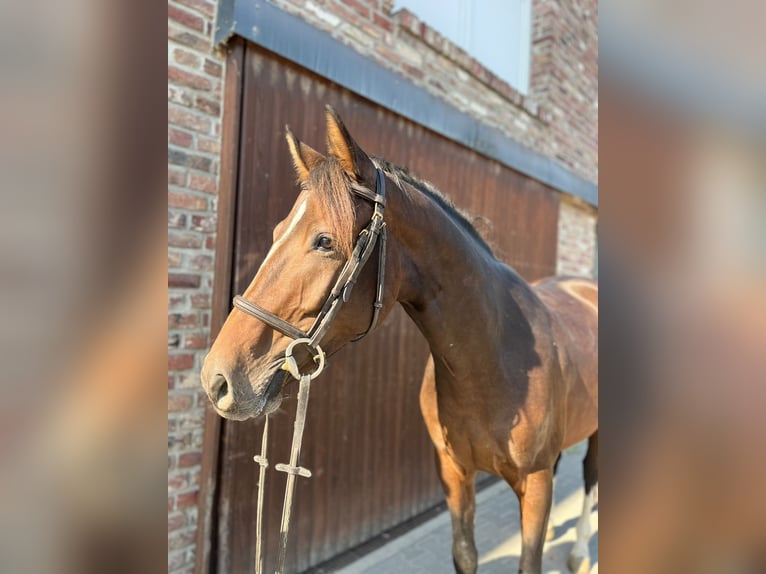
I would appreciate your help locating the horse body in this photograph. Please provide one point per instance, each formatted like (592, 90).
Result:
(512, 378)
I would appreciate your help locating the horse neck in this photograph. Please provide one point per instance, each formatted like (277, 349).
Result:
(452, 285)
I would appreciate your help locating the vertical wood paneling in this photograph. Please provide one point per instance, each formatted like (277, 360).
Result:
(365, 442)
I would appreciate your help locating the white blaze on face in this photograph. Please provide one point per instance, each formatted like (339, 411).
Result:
(299, 213)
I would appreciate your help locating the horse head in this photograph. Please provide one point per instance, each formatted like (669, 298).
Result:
(243, 373)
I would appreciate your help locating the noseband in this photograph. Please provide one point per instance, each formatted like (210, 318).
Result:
(341, 291)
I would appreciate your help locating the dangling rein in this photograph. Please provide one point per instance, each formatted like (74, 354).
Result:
(340, 293)
(293, 468)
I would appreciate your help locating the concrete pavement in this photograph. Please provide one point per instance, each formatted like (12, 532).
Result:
(426, 549)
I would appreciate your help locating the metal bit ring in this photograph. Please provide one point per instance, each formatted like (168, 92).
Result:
(291, 365)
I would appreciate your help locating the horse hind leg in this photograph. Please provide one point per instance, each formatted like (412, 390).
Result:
(459, 488)
(579, 558)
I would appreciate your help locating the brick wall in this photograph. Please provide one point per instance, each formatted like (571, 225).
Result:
(194, 125)
(577, 239)
(559, 115)
(557, 118)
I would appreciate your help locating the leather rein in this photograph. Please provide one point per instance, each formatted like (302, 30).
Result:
(340, 293)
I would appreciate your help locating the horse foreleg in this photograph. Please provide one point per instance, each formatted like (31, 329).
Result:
(535, 493)
(460, 491)
(551, 533)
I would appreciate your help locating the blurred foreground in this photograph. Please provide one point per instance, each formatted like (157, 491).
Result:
(682, 272)
(683, 283)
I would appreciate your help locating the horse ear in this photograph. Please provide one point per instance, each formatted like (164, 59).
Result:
(305, 158)
(341, 146)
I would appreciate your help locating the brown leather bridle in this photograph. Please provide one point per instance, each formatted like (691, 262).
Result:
(341, 291)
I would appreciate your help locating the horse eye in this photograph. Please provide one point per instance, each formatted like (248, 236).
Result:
(324, 242)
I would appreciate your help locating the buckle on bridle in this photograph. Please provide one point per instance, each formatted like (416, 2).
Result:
(291, 365)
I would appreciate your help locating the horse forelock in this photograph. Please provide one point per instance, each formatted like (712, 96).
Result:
(332, 187)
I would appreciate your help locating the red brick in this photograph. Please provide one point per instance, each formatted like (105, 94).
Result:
(203, 223)
(207, 106)
(176, 521)
(183, 280)
(383, 22)
(179, 403)
(189, 120)
(186, 499)
(182, 320)
(204, 183)
(200, 301)
(203, 6)
(186, 58)
(179, 138)
(201, 262)
(210, 242)
(213, 68)
(176, 177)
(186, 240)
(358, 7)
(186, 18)
(412, 71)
(195, 341)
(176, 300)
(186, 201)
(177, 482)
(189, 459)
(180, 157)
(188, 38)
(208, 145)
(188, 79)
(180, 362)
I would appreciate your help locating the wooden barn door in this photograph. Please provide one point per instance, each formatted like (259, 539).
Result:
(365, 442)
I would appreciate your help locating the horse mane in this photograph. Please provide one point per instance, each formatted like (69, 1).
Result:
(330, 181)
(401, 175)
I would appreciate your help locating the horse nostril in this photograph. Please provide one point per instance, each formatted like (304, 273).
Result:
(219, 388)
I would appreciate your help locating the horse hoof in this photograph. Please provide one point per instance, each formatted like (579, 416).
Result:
(579, 564)
(550, 534)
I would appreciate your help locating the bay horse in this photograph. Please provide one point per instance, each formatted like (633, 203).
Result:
(512, 376)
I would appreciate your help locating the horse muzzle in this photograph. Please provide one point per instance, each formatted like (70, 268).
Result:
(237, 398)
